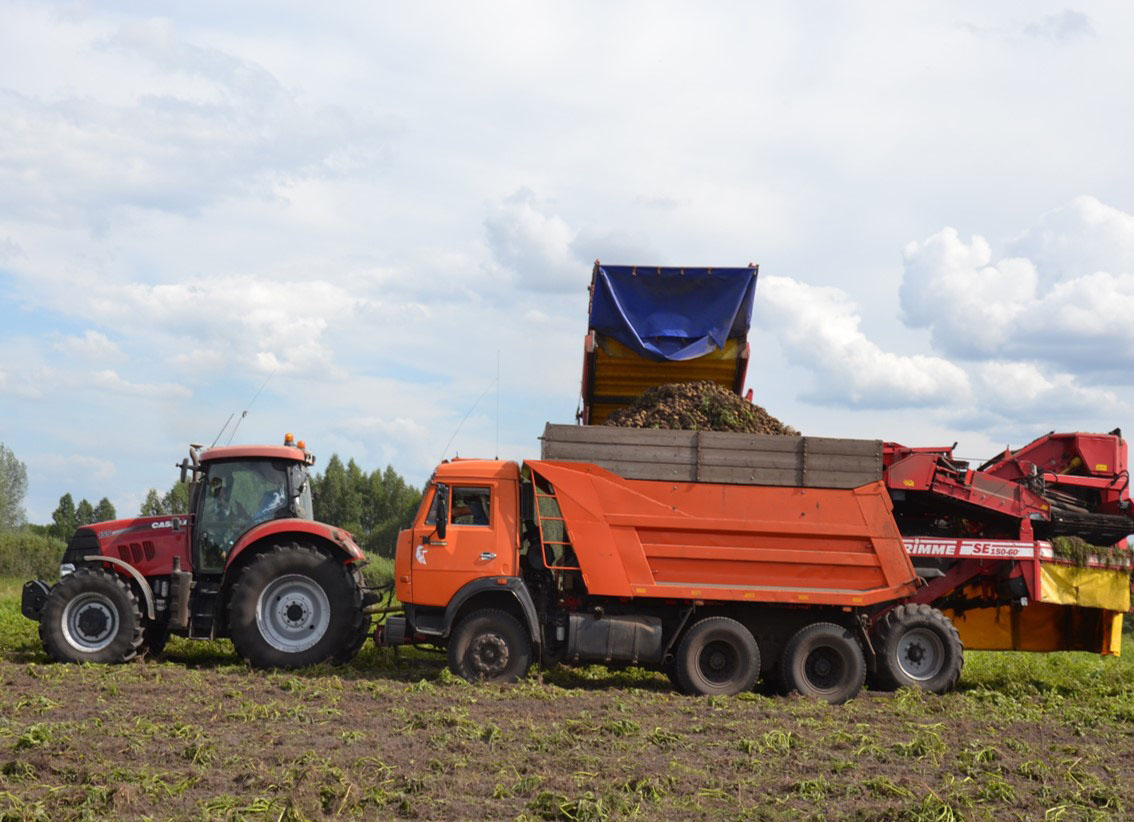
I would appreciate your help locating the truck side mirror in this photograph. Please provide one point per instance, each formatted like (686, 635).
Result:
(442, 511)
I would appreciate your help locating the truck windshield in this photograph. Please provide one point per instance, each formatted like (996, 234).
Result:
(236, 495)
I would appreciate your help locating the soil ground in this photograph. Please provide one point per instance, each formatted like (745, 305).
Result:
(197, 735)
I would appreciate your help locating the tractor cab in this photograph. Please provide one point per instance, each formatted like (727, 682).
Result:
(235, 488)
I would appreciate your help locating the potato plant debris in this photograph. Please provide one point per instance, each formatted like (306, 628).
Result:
(697, 406)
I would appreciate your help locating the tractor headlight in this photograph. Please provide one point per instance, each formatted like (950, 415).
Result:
(66, 568)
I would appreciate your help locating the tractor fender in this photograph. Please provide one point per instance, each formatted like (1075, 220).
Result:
(336, 538)
(513, 585)
(147, 592)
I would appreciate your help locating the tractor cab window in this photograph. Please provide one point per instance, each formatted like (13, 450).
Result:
(471, 506)
(236, 495)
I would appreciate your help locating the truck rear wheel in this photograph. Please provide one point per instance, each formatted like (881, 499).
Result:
(918, 647)
(293, 606)
(824, 660)
(91, 615)
(717, 656)
(490, 646)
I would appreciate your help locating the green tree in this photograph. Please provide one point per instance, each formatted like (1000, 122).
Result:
(373, 507)
(152, 505)
(339, 502)
(13, 489)
(104, 511)
(63, 518)
(176, 500)
(84, 513)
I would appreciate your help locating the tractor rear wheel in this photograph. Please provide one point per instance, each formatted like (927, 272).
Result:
(824, 660)
(91, 615)
(717, 656)
(293, 605)
(918, 647)
(361, 629)
(490, 646)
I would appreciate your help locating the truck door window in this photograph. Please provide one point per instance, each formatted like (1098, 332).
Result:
(471, 506)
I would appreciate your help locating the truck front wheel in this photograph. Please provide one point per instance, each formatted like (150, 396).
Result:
(824, 660)
(717, 656)
(918, 647)
(293, 606)
(91, 615)
(490, 646)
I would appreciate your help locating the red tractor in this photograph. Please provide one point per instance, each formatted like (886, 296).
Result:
(248, 562)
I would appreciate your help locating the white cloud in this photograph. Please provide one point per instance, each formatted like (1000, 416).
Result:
(818, 328)
(92, 345)
(1021, 391)
(109, 380)
(1065, 299)
(1063, 26)
(532, 243)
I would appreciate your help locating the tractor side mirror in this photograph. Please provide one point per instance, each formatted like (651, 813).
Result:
(442, 510)
(184, 466)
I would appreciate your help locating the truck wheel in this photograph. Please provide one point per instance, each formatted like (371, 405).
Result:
(490, 646)
(293, 606)
(717, 656)
(824, 660)
(91, 615)
(918, 647)
(361, 629)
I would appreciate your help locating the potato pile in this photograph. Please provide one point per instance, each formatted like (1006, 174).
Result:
(697, 406)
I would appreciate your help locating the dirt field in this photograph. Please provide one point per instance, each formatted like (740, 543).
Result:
(199, 736)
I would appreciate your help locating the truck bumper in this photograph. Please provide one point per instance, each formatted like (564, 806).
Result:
(34, 597)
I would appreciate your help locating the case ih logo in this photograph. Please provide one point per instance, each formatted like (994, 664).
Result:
(999, 549)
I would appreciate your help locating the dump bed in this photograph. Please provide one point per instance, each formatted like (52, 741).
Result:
(707, 541)
(650, 326)
(717, 456)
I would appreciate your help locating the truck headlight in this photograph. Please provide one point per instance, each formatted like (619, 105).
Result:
(66, 568)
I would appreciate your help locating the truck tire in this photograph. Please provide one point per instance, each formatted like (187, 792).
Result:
(490, 646)
(717, 656)
(91, 615)
(361, 629)
(825, 661)
(292, 606)
(918, 647)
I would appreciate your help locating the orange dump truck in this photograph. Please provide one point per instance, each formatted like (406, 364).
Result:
(716, 584)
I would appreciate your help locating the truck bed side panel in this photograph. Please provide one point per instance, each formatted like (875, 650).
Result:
(685, 540)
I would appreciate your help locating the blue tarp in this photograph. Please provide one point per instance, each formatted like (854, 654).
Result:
(672, 313)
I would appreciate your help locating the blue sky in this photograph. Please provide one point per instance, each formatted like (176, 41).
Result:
(369, 204)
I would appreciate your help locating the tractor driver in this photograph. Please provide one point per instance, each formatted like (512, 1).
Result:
(222, 520)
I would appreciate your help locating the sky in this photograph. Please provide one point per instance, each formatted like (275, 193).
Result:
(347, 219)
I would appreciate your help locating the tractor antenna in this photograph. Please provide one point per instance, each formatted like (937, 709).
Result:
(465, 417)
(244, 413)
(221, 432)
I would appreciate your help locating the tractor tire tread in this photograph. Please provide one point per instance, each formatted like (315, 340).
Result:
(55, 646)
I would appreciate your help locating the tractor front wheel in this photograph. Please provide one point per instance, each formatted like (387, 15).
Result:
(292, 606)
(91, 615)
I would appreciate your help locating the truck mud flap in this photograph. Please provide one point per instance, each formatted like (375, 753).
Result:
(33, 599)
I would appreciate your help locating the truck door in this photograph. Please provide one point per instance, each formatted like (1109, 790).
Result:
(474, 545)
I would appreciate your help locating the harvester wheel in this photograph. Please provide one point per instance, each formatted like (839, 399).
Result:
(717, 656)
(292, 606)
(490, 646)
(918, 647)
(824, 660)
(91, 615)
